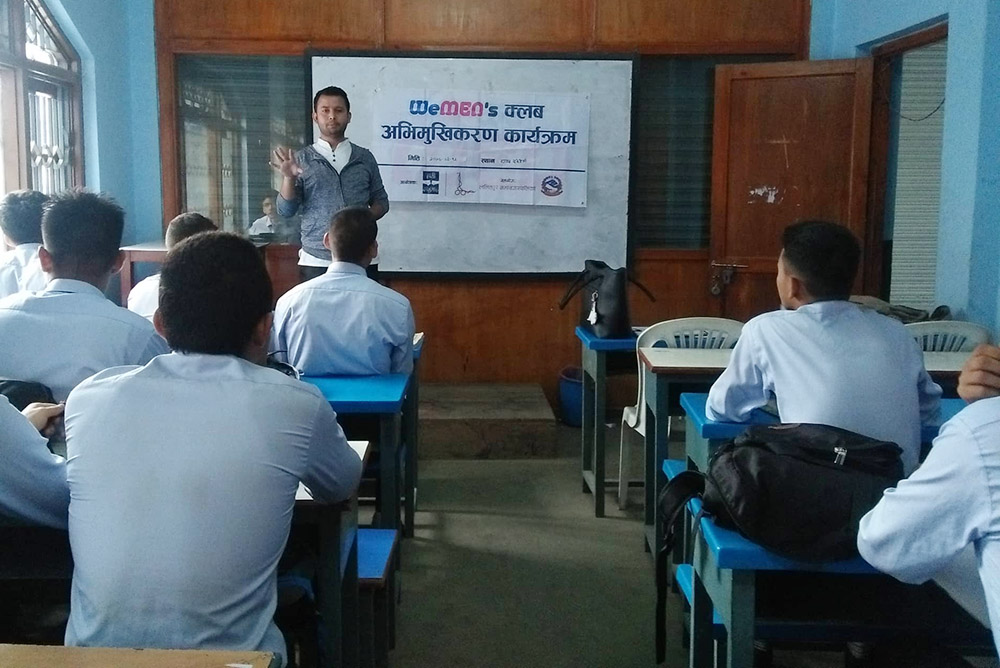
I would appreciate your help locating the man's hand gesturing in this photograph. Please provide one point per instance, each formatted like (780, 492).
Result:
(283, 160)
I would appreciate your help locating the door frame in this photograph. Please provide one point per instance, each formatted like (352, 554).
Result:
(884, 56)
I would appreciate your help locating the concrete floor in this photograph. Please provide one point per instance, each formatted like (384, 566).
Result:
(509, 568)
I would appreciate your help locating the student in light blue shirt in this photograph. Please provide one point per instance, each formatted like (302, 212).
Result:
(183, 472)
(923, 527)
(145, 296)
(33, 486)
(824, 359)
(21, 224)
(70, 330)
(344, 323)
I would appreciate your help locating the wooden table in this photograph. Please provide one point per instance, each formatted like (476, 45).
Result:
(37, 656)
(599, 358)
(384, 397)
(664, 368)
(281, 261)
(151, 251)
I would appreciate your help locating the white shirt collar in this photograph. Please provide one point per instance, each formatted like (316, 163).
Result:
(72, 285)
(345, 268)
(337, 157)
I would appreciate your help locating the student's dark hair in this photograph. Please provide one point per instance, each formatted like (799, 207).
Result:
(825, 256)
(187, 225)
(214, 289)
(21, 216)
(334, 91)
(82, 229)
(352, 232)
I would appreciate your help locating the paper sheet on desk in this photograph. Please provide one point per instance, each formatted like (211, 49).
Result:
(303, 493)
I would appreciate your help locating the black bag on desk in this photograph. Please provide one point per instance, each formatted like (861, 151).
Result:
(798, 490)
(604, 299)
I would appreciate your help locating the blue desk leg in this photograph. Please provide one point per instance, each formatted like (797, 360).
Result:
(655, 451)
(337, 585)
(733, 594)
(389, 426)
(410, 424)
(592, 444)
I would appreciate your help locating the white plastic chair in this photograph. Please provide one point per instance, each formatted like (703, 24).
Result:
(948, 336)
(711, 333)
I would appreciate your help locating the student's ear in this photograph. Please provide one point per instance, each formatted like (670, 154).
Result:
(797, 288)
(373, 250)
(326, 240)
(45, 259)
(262, 331)
(116, 266)
(158, 324)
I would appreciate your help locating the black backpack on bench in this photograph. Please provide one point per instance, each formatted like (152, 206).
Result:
(799, 490)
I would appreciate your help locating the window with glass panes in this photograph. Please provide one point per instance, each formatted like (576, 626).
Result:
(40, 128)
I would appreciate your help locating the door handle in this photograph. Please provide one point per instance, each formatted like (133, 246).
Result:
(722, 275)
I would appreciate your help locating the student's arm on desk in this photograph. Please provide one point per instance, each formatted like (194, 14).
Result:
(921, 525)
(34, 488)
(333, 468)
(741, 388)
(401, 358)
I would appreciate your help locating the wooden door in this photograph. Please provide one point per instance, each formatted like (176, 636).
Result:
(790, 143)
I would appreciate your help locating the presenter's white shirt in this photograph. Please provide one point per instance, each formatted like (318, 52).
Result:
(33, 484)
(69, 331)
(922, 526)
(344, 323)
(144, 298)
(831, 363)
(21, 270)
(182, 478)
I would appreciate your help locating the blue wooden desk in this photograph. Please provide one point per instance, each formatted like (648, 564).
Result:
(599, 357)
(411, 436)
(337, 600)
(726, 565)
(384, 397)
(664, 369)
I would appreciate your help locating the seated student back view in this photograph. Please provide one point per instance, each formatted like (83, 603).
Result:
(824, 359)
(21, 224)
(68, 331)
(183, 472)
(344, 323)
(145, 296)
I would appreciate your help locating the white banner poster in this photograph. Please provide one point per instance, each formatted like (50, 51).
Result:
(502, 148)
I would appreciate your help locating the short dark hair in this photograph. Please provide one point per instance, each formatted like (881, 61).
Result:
(825, 256)
(333, 91)
(214, 289)
(352, 232)
(187, 225)
(21, 216)
(84, 229)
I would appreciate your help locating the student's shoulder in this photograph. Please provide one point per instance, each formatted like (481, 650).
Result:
(982, 419)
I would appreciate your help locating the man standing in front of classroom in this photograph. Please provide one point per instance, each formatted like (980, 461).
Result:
(325, 177)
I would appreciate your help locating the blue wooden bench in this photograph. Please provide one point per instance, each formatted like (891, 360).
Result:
(377, 551)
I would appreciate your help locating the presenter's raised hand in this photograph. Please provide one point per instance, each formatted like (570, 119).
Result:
(283, 160)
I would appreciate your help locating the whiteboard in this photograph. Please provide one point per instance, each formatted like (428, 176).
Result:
(499, 238)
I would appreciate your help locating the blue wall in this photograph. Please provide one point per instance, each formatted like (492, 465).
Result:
(969, 234)
(121, 126)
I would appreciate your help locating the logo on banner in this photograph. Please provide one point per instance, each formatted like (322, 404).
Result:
(432, 183)
(552, 186)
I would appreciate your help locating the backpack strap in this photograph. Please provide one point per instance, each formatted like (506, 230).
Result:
(581, 280)
(670, 504)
